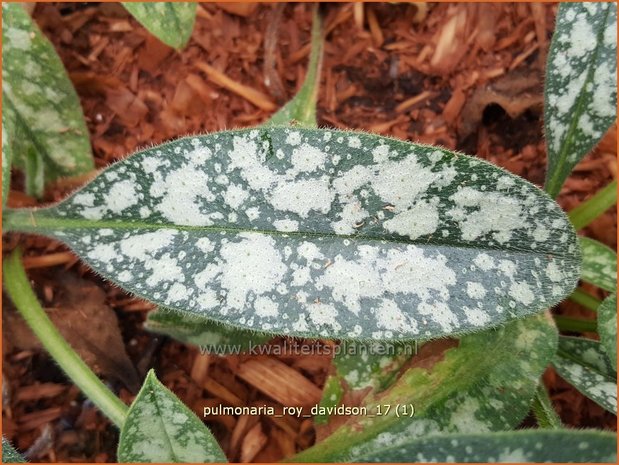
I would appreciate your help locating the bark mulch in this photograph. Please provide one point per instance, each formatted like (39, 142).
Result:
(464, 76)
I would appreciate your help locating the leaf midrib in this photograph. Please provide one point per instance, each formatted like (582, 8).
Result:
(43, 224)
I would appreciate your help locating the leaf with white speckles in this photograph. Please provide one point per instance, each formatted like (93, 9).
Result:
(9, 454)
(599, 264)
(607, 327)
(171, 22)
(159, 428)
(512, 447)
(581, 85)
(211, 336)
(37, 89)
(320, 233)
(485, 384)
(332, 394)
(585, 365)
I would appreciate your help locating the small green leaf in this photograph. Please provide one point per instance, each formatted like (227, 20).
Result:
(9, 454)
(161, 429)
(8, 142)
(581, 85)
(485, 384)
(46, 108)
(210, 336)
(599, 264)
(584, 364)
(320, 233)
(512, 446)
(332, 394)
(607, 327)
(171, 22)
(544, 412)
(302, 108)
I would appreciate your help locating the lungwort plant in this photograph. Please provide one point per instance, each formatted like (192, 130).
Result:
(288, 229)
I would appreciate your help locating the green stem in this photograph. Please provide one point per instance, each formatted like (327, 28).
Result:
(19, 290)
(575, 325)
(543, 410)
(588, 211)
(585, 299)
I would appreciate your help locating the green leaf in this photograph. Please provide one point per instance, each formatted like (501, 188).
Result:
(510, 446)
(581, 85)
(161, 429)
(607, 328)
(8, 142)
(302, 108)
(332, 394)
(320, 233)
(584, 364)
(37, 89)
(211, 336)
(544, 412)
(485, 384)
(9, 454)
(362, 366)
(599, 264)
(171, 22)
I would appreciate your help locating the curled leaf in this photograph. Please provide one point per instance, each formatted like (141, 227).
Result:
(320, 233)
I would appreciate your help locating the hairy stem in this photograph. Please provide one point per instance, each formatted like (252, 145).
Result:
(588, 211)
(585, 299)
(543, 410)
(19, 290)
(575, 325)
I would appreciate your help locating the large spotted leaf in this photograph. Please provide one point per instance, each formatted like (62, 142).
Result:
(581, 85)
(313, 232)
(585, 365)
(485, 384)
(8, 135)
(170, 22)
(160, 429)
(607, 327)
(522, 446)
(45, 106)
(599, 264)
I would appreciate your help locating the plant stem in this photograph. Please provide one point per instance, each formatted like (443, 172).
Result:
(585, 299)
(588, 211)
(18, 287)
(575, 325)
(543, 410)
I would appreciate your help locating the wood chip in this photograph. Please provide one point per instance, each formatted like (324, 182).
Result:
(253, 442)
(280, 382)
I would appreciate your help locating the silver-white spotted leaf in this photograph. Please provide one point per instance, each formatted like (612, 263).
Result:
(580, 86)
(9, 454)
(37, 89)
(320, 233)
(599, 264)
(485, 384)
(160, 429)
(523, 446)
(585, 365)
(607, 327)
(171, 22)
